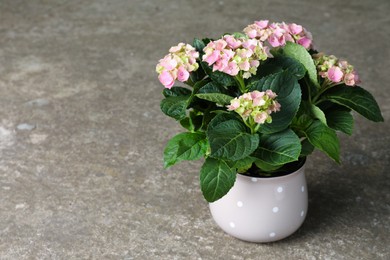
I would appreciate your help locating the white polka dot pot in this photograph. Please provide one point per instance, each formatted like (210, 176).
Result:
(263, 209)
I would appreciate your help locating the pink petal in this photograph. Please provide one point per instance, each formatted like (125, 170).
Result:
(335, 74)
(295, 29)
(182, 74)
(213, 57)
(305, 42)
(166, 79)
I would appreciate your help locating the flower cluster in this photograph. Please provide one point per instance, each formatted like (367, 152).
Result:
(277, 34)
(178, 64)
(336, 70)
(255, 107)
(232, 55)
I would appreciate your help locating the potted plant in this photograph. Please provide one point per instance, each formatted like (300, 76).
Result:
(255, 104)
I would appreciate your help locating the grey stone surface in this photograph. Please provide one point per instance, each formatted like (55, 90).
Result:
(87, 182)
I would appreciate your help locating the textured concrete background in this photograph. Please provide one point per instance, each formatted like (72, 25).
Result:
(81, 133)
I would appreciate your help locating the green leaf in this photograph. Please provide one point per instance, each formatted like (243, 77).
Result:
(211, 87)
(229, 140)
(318, 113)
(355, 98)
(198, 45)
(243, 164)
(307, 148)
(216, 179)
(218, 98)
(223, 117)
(266, 167)
(279, 148)
(218, 76)
(324, 138)
(298, 52)
(279, 64)
(185, 146)
(193, 122)
(176, 92)
(340, 120)
(175, 107)
(286, 86)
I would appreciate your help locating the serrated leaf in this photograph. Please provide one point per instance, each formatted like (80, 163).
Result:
(243, 164)
(340, 120)
(286, 86)
(176, 91)
(278, 148)
(230, 140)
(324, 138)
(211, 87)
(175, 107)
(218, 98)
(185, 146)
(355, 98)
(318, 113)
(216, 179)
(298, 52)
(279, 64)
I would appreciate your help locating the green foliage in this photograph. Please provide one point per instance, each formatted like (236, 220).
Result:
(216, 179)
(324, 138)
(185, 146)
(280, 64)
(278, 148)
(176, 92)
(175, 106)
(341, 120)
(355, 98)
(289, 96)
(229, 140)
(299, 53)
(217, 98)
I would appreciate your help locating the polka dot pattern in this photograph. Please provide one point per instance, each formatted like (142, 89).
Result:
(256, 199)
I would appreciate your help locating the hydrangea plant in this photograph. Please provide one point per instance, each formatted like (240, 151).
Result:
(258, 102)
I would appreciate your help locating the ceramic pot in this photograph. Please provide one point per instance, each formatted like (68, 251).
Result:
(263, 209)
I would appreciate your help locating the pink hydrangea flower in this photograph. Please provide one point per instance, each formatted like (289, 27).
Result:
(182, 74)
(261, 117)
(255, 107)
(335, 74)
(177, 65)
(277, 34)
(167, 79)
(232, 55)
(335, 71)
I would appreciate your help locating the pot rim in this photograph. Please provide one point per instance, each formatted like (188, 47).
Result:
(287, 175)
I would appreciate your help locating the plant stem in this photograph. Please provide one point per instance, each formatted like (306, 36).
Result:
(189, 82)
(325, 86)
(241, 83)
